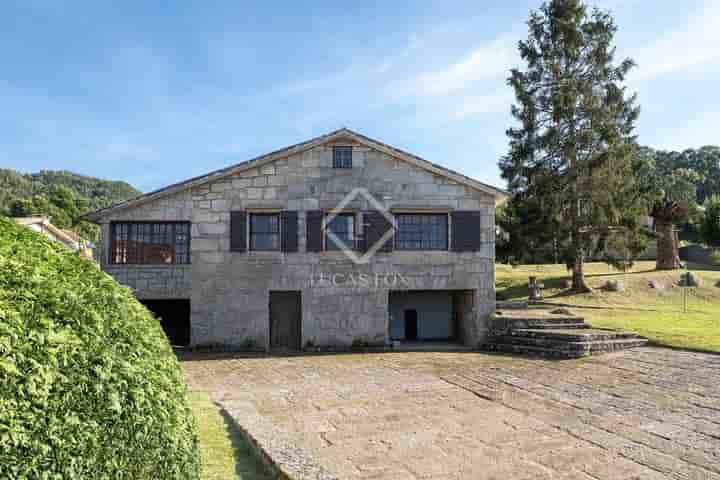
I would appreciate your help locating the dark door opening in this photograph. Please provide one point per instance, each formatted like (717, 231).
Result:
(285, 320)
(174, 318)
(431, 315)
(411, 324)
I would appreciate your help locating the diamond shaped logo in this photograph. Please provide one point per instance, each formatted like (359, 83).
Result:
(370, 252)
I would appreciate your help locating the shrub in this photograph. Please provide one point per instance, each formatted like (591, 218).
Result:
(715, 257)
(89, 386)
(710, 224)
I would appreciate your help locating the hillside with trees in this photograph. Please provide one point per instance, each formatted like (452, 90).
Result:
(62, 195)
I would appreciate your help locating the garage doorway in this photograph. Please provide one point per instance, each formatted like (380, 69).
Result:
(174, 315)
(430, 315)
(285, 320)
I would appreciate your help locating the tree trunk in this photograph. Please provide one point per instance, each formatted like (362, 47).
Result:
(578, 276)
(668, 257)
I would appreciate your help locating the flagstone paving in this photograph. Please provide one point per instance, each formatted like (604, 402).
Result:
(648, 413)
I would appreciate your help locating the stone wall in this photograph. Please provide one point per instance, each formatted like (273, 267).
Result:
(229, 291)
(154, 282)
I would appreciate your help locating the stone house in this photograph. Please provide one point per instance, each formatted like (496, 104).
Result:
(337, 241)
(70, 239)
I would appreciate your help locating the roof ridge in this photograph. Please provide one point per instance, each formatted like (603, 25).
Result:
(271, 156)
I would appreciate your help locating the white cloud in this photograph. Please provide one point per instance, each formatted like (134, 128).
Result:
(468, 106)
(491, 60)
(694, 43)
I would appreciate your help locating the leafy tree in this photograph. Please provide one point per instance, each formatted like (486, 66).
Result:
(572, 156)
(705, 163)
(521, 240)
(672, 192)
(710, 225)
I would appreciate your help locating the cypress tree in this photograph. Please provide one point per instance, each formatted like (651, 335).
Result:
(572, 155)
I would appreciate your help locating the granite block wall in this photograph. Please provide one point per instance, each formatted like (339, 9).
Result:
(341, 302)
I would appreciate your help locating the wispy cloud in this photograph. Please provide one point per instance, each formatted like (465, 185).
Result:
(694, 42)
(490, 60)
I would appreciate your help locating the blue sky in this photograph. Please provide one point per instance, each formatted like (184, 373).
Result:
(156, 92)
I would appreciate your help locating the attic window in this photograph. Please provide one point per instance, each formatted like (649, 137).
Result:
(342, 157)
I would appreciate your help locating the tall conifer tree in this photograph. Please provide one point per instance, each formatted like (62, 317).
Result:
(571, 157)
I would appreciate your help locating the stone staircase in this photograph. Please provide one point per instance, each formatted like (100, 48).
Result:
(538, 332)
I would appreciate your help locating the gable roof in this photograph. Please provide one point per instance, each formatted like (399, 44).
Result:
(343, 133)
(67, 237)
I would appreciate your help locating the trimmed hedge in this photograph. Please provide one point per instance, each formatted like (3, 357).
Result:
(89, 386)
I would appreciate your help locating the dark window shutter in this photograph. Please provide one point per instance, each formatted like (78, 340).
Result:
(466, 231)
(374, 227)
(289, 231)
(238, 231)
(314, 233)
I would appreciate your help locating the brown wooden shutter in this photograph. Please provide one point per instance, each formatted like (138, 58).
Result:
(289, 231)
(374, 227)
(314, 231)
(466, 231)
(238, 231)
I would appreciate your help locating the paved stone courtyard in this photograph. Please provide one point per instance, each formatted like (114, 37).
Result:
(648, 413)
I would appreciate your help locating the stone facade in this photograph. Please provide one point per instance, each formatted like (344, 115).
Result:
(342, 302)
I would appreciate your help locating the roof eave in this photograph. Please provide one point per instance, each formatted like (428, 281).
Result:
(499, 195)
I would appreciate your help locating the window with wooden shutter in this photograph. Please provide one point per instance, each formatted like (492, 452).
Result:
(238, 231)
(343, 227)
(314, 231)
(466, 236)
(375, 225)
(289, 229)
(265, 231)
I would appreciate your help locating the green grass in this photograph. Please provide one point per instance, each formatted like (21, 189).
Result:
(660, 315)
(224, 452)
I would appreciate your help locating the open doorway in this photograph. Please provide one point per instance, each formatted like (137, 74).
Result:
(174, 315)
(430, 315)
(411, 324)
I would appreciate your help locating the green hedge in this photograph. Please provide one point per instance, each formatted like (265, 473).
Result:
(89, 387)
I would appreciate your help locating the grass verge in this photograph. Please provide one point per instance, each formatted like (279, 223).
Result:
(224, 452)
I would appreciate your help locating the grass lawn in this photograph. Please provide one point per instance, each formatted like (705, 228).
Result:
(225, 454)
(658, 314)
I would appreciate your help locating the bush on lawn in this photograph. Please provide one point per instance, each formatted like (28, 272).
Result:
(89, 386)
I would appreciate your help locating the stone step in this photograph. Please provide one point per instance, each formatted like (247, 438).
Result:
(572, 335)
(568, 349)
(566, 345)
(509, 322)
(532, 351)
(511, 305)
(554, 326)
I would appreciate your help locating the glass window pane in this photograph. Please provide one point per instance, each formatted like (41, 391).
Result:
(265, 231)
(151, 243)
(342, 157)
(343, 226)
(421, 232)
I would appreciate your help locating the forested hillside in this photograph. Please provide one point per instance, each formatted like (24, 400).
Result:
(62, 195)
